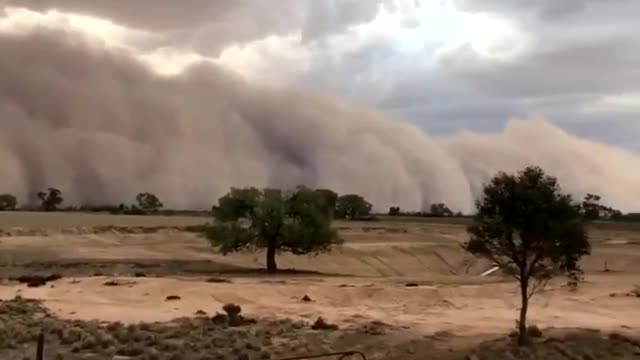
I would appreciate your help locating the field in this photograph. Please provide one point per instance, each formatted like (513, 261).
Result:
(399, 288)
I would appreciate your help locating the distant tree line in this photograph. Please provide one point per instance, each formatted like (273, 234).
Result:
(344, 207)
(51, 200)
(435, 210)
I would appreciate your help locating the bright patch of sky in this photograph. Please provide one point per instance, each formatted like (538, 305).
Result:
(417, 26)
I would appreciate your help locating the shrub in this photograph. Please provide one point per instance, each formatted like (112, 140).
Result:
(8, 202)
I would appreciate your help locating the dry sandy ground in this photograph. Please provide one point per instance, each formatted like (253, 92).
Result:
(367, 281)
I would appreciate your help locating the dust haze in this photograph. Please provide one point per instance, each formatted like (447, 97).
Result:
(101, 126)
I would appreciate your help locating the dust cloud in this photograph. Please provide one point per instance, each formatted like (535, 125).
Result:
(101, 126)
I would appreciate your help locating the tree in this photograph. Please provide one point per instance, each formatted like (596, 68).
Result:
(530, 229)
(440, 210)
(250, 218)
(8, 202)
(593, 210)
(148, 202)
(50, 199)
(352, 207)
(394, 211)
(591, 207)
(329, 198)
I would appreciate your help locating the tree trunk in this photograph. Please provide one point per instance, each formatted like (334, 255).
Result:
(522, 328)
(272, 267)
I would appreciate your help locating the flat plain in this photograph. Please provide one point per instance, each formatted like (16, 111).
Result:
(400, 288)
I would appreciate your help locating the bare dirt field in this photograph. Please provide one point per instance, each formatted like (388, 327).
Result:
(396, 290)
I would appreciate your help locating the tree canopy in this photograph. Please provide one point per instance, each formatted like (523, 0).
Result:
(530, 229)
(148, 202)
(352, 207)
(440, 210)
(8, 202)
(250, 218)
(50, 199)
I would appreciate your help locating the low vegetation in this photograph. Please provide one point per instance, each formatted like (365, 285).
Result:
(8, 202)
(200, 337)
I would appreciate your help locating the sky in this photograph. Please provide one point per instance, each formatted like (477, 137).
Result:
(458, 72)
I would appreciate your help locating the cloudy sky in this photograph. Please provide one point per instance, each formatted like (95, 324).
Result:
(443, 64)
(407, 102)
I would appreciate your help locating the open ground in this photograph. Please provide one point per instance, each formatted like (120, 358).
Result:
(397, 289)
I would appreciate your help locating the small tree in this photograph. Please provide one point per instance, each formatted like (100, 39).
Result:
(440, 210)
(8, 202)
(50, 199)
(352, 207)
(251, 218)
(591, 207)
(148, 202)
(394, 211)
(528, 227)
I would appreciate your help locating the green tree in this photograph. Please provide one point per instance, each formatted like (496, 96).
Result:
(50, 199)
(8, 202)
(148, 202)
(352, 207)
(528, 227)
(250, 218)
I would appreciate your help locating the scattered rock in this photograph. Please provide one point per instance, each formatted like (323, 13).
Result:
(172, 298)
(121, 357)
(232, 310)
(201, 313)
(375, 328)
(321, 324)
(306, 298)
(140, 274)
(411, 284)
(116, 282)
(53, 277)
(218, 280)
(36, 282)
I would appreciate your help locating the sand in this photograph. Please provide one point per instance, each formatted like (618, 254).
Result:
(362, 281)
